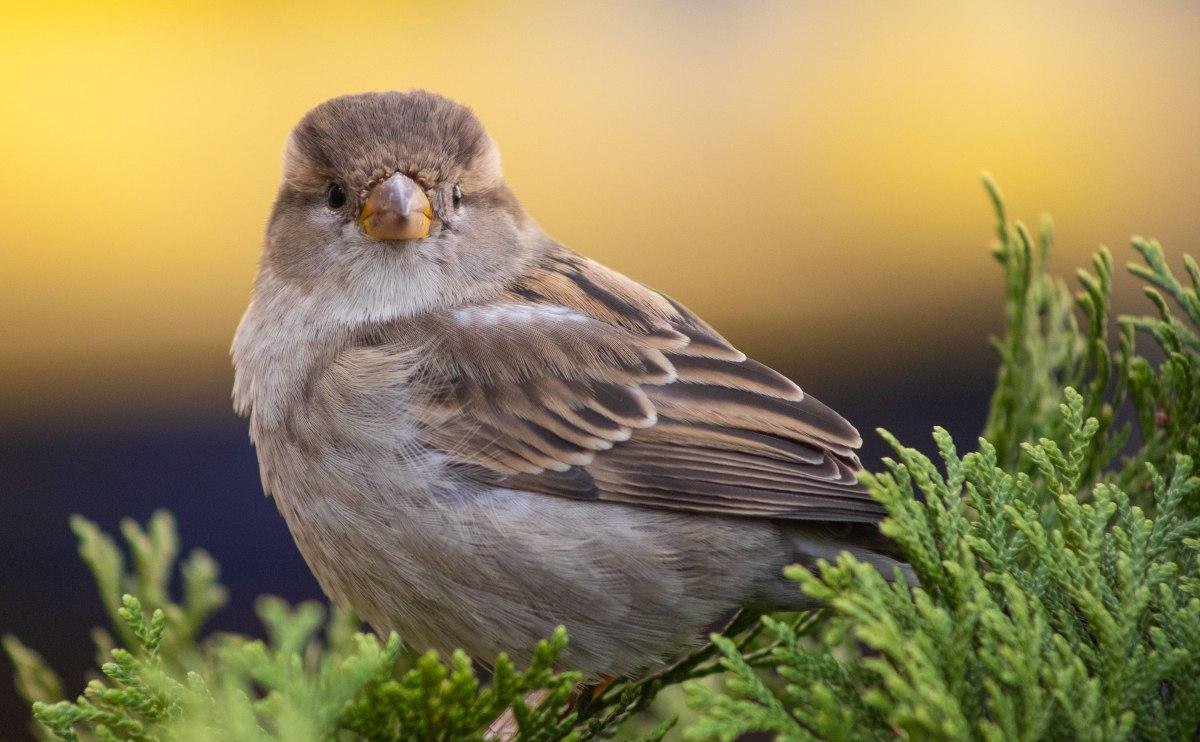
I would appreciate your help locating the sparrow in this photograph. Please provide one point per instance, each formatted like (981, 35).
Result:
(476, 435)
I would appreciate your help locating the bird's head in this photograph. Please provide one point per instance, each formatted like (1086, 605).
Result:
(392, 204)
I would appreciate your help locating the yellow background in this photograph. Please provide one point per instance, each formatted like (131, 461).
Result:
(802, 174)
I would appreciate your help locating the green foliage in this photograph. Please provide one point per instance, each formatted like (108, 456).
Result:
(1043, 349)
(163, 685)
(1058, 598)
(302, 683)
(1059, 564)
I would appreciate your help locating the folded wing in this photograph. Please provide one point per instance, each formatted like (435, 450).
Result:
(587, 385)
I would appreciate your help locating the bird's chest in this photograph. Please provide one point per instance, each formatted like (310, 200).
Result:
(345, 452)
(360, 492)
(386, 531)
(354, 499)
(349, 458)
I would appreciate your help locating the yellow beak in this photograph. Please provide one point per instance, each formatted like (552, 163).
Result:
(396, 209)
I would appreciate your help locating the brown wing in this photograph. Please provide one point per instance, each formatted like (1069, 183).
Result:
(585, 384)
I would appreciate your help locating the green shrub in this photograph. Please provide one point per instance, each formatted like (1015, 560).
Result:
(1060, 581)
(1059, 595)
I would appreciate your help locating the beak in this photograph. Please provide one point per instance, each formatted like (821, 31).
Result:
(396, 209)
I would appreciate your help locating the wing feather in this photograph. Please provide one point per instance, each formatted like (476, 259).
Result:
(582, 383)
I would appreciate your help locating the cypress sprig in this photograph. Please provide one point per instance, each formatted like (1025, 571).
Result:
(1058, 568)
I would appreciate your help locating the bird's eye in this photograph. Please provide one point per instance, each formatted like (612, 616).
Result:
(335, 196)
(456, 194)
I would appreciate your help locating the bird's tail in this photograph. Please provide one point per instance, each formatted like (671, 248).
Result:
(862, 540)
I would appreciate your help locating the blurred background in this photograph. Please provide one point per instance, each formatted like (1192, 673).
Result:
(804, 175)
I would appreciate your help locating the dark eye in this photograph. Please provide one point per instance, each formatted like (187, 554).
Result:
(335, 196)
(456, 194)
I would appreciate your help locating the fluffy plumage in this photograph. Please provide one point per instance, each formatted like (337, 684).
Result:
(478, 435)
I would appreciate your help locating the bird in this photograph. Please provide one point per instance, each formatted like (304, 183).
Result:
(476, 435)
